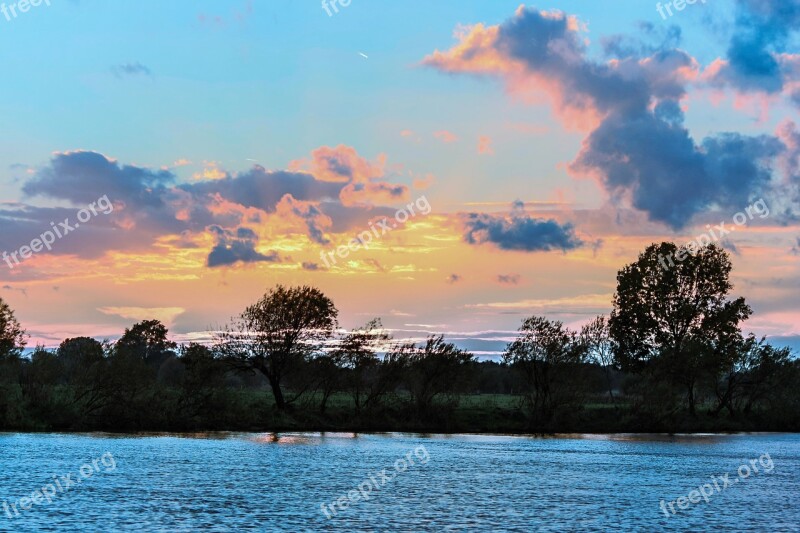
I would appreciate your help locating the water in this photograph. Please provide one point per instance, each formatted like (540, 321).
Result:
(267, 482)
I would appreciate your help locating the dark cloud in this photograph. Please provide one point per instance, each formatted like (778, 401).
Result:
(82, 177)
(22, 290)
(654, 160)
(652, 38)
(307, 265)
(508, 279)
(236, 246)
(547, 46)
(346, 218)
(149, 205)
(21, 224)
(762, 30)
(519, 231)
(264, 189)
(453, 278)
(130, 69)
(641, 152)
(313, 218)
(143, 201)
(638, 150)
(730, 246)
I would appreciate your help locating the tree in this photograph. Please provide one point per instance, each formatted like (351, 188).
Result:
(753, 374)
(84, 363)
(12, 336)
(548, 355)
(279, 333)
(148, 341)
(78, 355)
(673, 320)
(39, 380)
(203, 397)
(357, 354)
(596, 337)
(436, 369)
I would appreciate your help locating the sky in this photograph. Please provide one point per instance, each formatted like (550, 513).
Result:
(449, 167)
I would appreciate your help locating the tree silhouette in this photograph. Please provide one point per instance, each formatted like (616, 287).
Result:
(436, 369)
(674, 320)
(279, 333)
(596, 337)
(548, 355)
(357, 354)
(12, 336)
(148, 341)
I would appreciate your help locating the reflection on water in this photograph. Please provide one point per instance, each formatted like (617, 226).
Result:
(222, 481)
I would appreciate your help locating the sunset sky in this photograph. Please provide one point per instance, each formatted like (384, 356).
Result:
(240, 140)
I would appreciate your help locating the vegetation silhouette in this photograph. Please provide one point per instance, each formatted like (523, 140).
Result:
(671, 357)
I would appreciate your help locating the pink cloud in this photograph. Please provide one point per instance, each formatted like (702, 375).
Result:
(445, 136)
(485, 145)
(341, 164)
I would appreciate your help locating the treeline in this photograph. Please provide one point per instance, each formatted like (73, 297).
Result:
(670, 357)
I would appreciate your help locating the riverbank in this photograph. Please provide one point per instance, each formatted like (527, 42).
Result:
(480, 414)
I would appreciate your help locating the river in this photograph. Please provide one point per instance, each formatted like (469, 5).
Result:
(398, 482)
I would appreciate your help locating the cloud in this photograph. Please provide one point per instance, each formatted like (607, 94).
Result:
(315, 221)
(508, 279)
(654, 164)
(730, 246)
(754, 60)
(445, 136)
(307, 265)
(262, 189)
(363, 181)
(234, 247)
(211, 171)
(341, 164)
(151, 207)
(519, 231)
(367, 194)
(637, 147)
(23, 223)
(23, 290)
(584, 304)
(166, 315)
(423, 182)
(485, 145)
(131, 69)
(82, 176)
(453, 278)
(651, 38)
